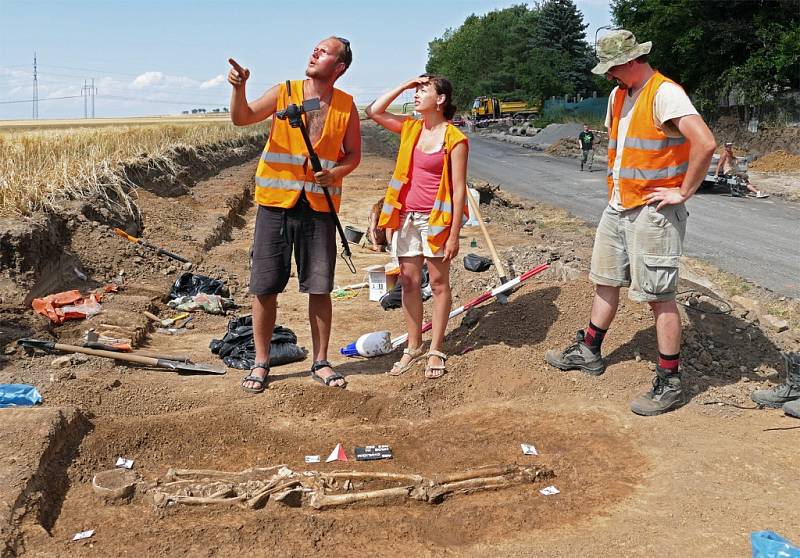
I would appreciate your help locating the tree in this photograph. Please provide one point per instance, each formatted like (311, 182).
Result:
(712, 46)
(562, 32)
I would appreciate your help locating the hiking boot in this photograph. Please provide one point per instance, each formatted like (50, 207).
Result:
(786, 392)
(665, 395)
(577, 356)
(792, 408)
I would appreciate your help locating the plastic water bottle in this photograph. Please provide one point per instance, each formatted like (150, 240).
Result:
(369, 345)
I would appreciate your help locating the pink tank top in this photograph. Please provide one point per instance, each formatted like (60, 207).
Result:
(424, 179)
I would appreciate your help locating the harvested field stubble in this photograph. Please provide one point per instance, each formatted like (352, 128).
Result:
(40, 168)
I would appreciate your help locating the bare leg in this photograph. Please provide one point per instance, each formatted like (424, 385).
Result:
(439, 272)
(320, 315)
(265, 308)
(410, 278)
(604, 306)
(668, 326)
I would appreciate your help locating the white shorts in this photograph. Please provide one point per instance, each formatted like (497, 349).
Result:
(412, 238)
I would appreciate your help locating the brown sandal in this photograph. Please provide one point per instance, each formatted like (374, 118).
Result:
(436, 371)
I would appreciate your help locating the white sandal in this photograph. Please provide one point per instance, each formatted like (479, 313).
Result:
(398, 368)
(436, 371)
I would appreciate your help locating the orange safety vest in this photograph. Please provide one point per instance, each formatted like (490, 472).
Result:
(442, 213)
(650, 159)
(284, 170)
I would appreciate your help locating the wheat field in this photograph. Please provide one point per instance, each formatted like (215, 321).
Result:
(40, 168)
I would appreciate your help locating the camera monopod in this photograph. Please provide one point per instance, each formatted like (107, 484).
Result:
(294, 114)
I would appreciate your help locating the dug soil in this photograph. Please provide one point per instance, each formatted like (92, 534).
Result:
(694, 482)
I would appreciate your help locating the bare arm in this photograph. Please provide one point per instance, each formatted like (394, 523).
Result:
(458, 160)
(701, 148)
(721, 164)
(242, 112)
(376, 110)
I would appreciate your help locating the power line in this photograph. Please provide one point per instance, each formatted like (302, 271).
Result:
(40, 100)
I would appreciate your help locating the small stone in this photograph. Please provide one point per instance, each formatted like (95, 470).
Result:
(78, 358)
(187, 266)
(61, 362)
(745, 379)
(62, 376)
(774, 323)
(705, 358)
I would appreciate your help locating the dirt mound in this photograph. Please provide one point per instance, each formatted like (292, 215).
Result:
(777, 161)
(764, 141)
(565, 147)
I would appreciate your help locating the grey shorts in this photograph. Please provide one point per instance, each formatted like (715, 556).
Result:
(640, 248)
(312, 237)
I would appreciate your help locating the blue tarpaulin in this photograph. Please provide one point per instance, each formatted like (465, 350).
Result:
(18, 395)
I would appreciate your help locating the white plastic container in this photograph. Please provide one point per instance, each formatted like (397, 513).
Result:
(476, 197)
(370, 344)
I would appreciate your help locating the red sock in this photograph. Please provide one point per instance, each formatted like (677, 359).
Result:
(593, 336)
(669, 362)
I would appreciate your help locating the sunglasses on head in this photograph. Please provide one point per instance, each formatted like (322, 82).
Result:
(345, 42)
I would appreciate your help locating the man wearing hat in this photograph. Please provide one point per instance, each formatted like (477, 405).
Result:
(659, 149)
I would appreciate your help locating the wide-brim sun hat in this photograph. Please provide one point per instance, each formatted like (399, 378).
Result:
(616, 48)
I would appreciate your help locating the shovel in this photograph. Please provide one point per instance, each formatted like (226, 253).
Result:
(180, 367)
(502, 298)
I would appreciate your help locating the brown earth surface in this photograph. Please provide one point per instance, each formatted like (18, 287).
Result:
(777, 161)
(694, 482)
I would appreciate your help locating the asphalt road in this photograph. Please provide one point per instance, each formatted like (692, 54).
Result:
(755, 239)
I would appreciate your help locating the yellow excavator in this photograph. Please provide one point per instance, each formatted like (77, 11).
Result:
(491, 107)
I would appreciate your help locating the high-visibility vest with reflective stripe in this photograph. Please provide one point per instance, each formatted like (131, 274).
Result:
(650, 159)
(284, 169)
(442, 213)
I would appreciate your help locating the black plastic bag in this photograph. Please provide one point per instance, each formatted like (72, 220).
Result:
(237, 348)
(189, 284)
(476, 263)
(394, 298)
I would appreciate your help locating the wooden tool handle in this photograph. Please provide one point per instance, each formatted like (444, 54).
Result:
(126, 236)
(127, 357)
(473, 206)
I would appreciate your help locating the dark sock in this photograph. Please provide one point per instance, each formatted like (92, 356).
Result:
(593, 337)
(669, 362)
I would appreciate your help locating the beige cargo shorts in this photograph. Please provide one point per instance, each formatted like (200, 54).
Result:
(640, 248)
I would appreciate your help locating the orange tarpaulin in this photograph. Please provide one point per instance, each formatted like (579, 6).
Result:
(68, 305)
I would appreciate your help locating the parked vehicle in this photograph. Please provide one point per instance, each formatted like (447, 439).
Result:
(491, 107)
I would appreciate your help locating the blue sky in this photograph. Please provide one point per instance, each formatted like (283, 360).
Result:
(150, 57)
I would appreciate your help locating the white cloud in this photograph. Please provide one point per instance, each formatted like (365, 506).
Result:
(213, 82)
(147, 79)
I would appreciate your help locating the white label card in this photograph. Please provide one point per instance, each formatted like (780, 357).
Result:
(529, 449)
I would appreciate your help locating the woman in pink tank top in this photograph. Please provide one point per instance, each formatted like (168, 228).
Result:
(433, 100)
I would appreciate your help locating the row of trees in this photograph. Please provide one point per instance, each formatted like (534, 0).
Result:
(519, 52)
(709, 46)
(713, 47)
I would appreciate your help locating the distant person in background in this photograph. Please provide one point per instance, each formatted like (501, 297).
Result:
(586, 145)
(729, 165)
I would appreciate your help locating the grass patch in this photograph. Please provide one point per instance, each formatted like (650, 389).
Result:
(41, 168)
